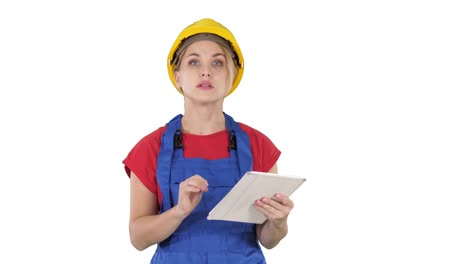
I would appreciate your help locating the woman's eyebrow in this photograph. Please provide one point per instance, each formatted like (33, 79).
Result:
(214, 55)
(218, 54)
(193, 54)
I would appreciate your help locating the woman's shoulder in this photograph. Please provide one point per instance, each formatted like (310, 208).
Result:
(251, 131)
(142, 156)
(256, 136)
(153, 138)
(264, 151)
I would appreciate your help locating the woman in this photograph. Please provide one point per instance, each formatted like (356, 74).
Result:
(179, 172)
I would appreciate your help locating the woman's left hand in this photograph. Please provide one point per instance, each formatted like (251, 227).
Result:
(276, 209)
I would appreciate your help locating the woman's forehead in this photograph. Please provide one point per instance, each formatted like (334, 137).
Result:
(204, 46)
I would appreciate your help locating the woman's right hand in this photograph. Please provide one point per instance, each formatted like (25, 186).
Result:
(190, 193)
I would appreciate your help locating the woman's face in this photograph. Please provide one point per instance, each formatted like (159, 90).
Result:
(203, 72)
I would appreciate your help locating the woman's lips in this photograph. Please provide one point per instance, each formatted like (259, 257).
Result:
(205, 86)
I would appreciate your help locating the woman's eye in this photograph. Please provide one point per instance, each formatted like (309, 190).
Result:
(193, 62)
(218, 63)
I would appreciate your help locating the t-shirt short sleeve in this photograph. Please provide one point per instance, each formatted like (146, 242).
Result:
(142, 160)
(265, 153)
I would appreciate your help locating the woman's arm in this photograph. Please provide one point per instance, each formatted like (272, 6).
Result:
(276, 210)
(147, 227)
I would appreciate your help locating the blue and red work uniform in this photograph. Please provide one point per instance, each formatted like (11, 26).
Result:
(221, 158)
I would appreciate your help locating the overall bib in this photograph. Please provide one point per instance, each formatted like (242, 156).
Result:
(198, 240)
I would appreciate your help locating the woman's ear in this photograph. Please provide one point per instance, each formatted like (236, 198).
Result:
(176, 78)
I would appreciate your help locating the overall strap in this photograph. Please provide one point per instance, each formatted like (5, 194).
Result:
(163, 171)
(239, 144)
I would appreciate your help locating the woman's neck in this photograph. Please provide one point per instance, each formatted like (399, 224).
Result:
(203, 120)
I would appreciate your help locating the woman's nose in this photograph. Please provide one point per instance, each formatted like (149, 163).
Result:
(206, 72)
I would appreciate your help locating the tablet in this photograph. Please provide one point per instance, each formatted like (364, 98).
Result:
(238, 204)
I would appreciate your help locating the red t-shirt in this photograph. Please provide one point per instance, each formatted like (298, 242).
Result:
(142, 159)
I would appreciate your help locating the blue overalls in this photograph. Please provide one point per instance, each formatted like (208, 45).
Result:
(198, 240)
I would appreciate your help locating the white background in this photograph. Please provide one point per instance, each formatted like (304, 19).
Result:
(366, 99)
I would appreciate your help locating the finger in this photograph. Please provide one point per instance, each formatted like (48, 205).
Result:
(283, 199)
(275, 203)
(200, 179)
(202, 188)
(191, 188)
(268, 210)
(196, 183)
(273, 208)
(261, 208)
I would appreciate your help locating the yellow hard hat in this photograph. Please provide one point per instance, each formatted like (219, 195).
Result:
(206, 28)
